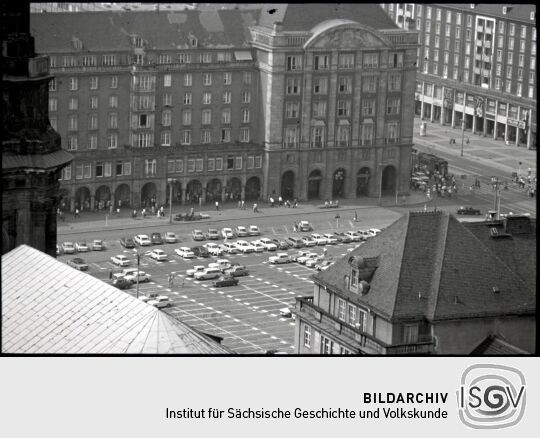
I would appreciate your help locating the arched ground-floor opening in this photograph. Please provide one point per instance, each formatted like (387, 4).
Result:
(122, 196)
(82, 198)
(63, 200)
(362, 182)
(213, 190)
(338, 183)
(149, 195)
(233, 190)
(490, 127)
(253, 189)
(176, 192)
(193, 191)
(389, 180)
(314, 184)
(102, 198)
(287, 185)
(512, 130)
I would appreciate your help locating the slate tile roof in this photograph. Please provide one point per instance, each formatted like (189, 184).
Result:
(516, 11)
(49, 307)
(304, 16)
(432, 266)
(493, 345)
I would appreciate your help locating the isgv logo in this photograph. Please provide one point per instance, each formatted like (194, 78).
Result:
(491, 396)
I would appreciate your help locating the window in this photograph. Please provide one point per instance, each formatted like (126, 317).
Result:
(291, 137)
(437, 41)
(521, 61)
(52, 84)
(227, 78)
(345, 84)
(114, 81)
(72, 141)
(73, 103)
(341, 309)
(410, 333)
(188, 79)
(327, 345)
(532, 65)
(94, 83)
(393, 105)
(510, 43)
(449, 17)
(522, 45)
(123, 168)
(144, 140)
(219, 164)
(369, 84)
(186, 137)
(512, 29)
(344, 108)
(167, 99)
(206, 136)
(54, 122)
(186, 117)
(92, 121)
(245, 115)
(210, 164)
(366, 134)
(498, 70)
(113, 101)
(230, 162)
(166, 118)
(368, 107)
(510, 58)
(145, 82)
(293, 86)
(294, 62)
(225, 135)
(66, 173)
(321, 62)
(191, 165)
(73, 84)
(88, 61)
(246, 77)
(258, 162)
(317, 136)
(371, 60)
(531, 92)
(184, 58)
(226, 116)
(53, 103)
(352, 315)
(346, 61)
(165, 59)
(438, 28)
(319, 108)
(112, 141)
(439, 14)
(99, 169)
(167, 80)
(207, 98)
(70, 61)
(238, 163)
(469, 20)
(143, 121)
(206, 58)
(395, 60)
(343, 135)
(244, 135)
(292, 110)
(519, 89)
(199, 165)
(92, 141)
(320, 85)
(226, 97)
(150, 167)
(73, 122)
(87, 170)
(206, 117)
(207, 78)
(224, 56)
(392, 133)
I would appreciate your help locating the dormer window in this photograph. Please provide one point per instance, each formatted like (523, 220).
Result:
(354, 278)
(505, 10)
(138, 42)
(193, 41)
(533, 15)
(77, 43)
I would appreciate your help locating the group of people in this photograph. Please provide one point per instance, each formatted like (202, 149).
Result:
(272, 202)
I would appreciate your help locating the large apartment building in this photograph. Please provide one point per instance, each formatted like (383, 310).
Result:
(476, 62)
(224, 105)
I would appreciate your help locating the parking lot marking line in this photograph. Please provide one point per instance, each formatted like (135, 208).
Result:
(176, 293)
(275, 285)
(264, 310)
(284, 289)
(266, 282)
(247, 304)
(273, 315)
(220, 292)
(292, 323)
(273, 337)
(228, 316)
(260, 279)
(255, 328)
(292, 293)
(284, 342)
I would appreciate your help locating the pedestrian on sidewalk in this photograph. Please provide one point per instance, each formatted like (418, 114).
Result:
(110, 274)
(243, 207)
(255, 208)
(171, 280)
(76, 213)
(355, 217)
(217, 206)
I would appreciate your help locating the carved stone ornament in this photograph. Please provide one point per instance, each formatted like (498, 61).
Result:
(348, 39)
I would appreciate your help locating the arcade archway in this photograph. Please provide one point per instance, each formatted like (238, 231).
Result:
(253, 189)
(287, 185)
(362, 182)
(389, 180)
(338, 183)
(314, 184)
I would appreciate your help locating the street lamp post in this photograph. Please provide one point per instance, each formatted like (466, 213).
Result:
(462, 133)
(170, 181)
(380, 185)
(138, 265)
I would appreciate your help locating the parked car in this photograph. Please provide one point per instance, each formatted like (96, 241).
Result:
(330, 239)
(207, 274)
(244, 247)
(225, 280)
(143, 277)
(295, 257)
(127, 242)
(229, 248)
(280, 257)
(158, 254)
(353, 235)
(156, 239)
(185, 252)
(241, 231)
(120, 260)
(281, 243)
(97, 245)
(364, 234)
(170, 237)
(198, 268)
(304, 226)
(296, 242)
(200, 251)
(254, 230)
(220, 264)
(311, 255)
(374, 231)
(142, 240)
(213, 249)
(323, 265)
(78, 263)
(161, 302)
(212, 234)
(268, 244)
(468, 211)
(321, 240)
(236, 271)
(81, 246)
(285, 312)
(197, 235)
(68, 248)
(342, 237)
(259, 247)
(308, 241)
(149, 297)
(227, 233)
(313, 261)
(121, 283)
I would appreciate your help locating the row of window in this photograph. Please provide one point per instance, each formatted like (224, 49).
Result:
(146, 82)
(343, 108)
(322, 61)
(214, 164)
(102, 169)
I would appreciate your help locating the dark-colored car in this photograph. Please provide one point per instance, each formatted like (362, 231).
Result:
(78, 263)
(281, 243)
(236, 270)
(127, 242)
(225, 280)
(212, 234)
(122, 283)
(156, 239)
(342, 237)
(468, 211)
(200, 251)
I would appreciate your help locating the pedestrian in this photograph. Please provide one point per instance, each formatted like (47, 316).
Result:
(355, 217)
(295, 228)
(468, 140)
(425, 207)
(239, 205)
(110, 274)
(111, 209)
(162, 211)
(144, 212)
(171, 280)
(255, 209)
(217, 206)
(324, 251)
(76, 213)
(243, 207)
(280, 200)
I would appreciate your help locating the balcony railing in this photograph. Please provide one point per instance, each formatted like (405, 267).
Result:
(369, 344)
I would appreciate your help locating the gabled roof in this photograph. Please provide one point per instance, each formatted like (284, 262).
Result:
(49, 307)
(493, 345)
(431, 266)
(305, 16)
(112, 31)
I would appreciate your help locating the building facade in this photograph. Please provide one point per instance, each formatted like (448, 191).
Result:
(476, 62)
(427, 284)
(230, 104)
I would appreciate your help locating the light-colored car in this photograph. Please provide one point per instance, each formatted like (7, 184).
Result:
(295, 257)
(97, 245)
(143, 277)
(197, 235)
(308, 241)
(353, 235)
(81, 246)
(78, 263)
(170, 237)
(236, 271)
(364, 234)
(304, 226)
(120, 260)
(241, 231)
(330, 239)
(254, 230)
(161, 301)
(227, 233)
(229, 248)
(220, 264)
(323, 265)
(244, 246)
(214, 248)
(159, 255)
(68, 248)
(374, 231)
(268, 244)
(142, 239)
(150, 296)
(208, 274)
(212, 234)
(321, 240)
(311, 255)
(185, 252)
(197, 268)
(259, 247)
(280, 257)
(312, 262)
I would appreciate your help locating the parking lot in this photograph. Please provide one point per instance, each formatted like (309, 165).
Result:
(247, 316)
